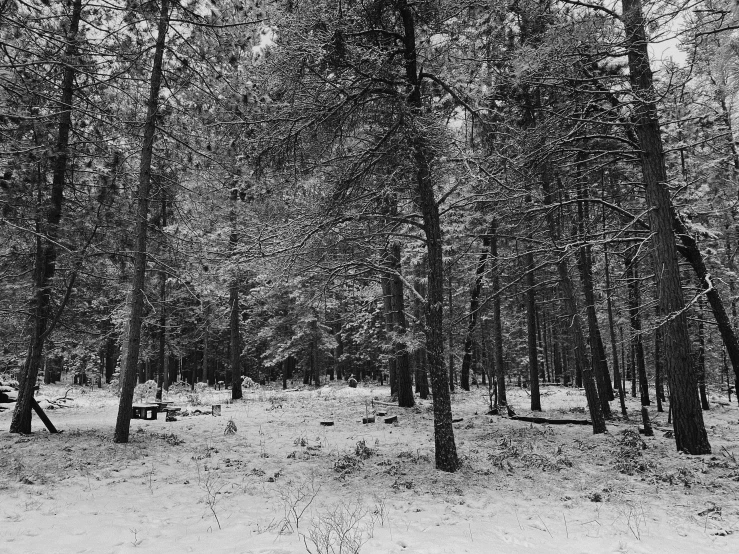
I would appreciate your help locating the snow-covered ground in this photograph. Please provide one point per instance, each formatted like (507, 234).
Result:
(285, 484)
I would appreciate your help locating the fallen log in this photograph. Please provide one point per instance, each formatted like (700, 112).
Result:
(389, 404)
(552, 421)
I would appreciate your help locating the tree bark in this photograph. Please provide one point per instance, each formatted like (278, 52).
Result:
(693, 255)
(387, 302)
(402, 363)
(235, 310)
(128, 371)
(497, 321)
(545, 342)
(659, 364)
(422, 381)
(446, 450)
(585, 267)
(205, 373)
(690, 431)
(46, 251)
(532, 331)
(472, 318)
(450, 337)
(702, 358)
(612, 328)
(573, 316)
(632, 278)
(162, 378)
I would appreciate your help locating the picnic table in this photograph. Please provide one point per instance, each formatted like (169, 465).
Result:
(144, 411)
(169, 410)
(149, 410)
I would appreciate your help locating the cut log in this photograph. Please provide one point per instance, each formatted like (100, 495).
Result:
(327, 423)
(648, 432)
(552, 421)
(366, 420)
(391, 419)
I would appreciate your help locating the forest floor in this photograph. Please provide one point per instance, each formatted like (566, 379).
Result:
(284, 484)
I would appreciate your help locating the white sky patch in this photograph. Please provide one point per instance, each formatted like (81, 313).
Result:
(438, 40)
(267, 39)
(665, 51)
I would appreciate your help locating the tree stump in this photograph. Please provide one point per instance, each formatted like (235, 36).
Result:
(648, 431)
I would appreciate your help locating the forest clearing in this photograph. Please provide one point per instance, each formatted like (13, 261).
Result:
(333, 276)
(281, 479)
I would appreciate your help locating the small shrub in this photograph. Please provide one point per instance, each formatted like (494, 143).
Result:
(145, 390)
(230, 428)
(179, 387)
(362, 451)
(683, 476)
(169, 438)
(629, 458)
(347, 464)
(341, 530)
(511, 452)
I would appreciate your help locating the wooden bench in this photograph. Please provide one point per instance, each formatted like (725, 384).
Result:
(144, 411)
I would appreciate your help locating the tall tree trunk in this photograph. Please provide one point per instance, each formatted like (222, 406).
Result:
(611, 325)
(545, 342)
(658, 365)
(387, 302)
(422, 381)
(557, 371)
(339, 354)
(402, 368)
(162, 378)
(497, 322)
(446, 450)
(46, 252)
(475, 290)
(702, 357)
(235, 312)
(591, 390)
(623, 357)
(450, 336)
(690, 431)
(632, 362)
(585, 267)
(128, 371)
(632, 277)
(484, 360)
(532, 330)
(693, 255)
(205, 373)
(573, 316)
(315, 366)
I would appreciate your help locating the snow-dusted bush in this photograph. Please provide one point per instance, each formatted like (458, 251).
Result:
(145, 390)
(114, 387)
(179, 387)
